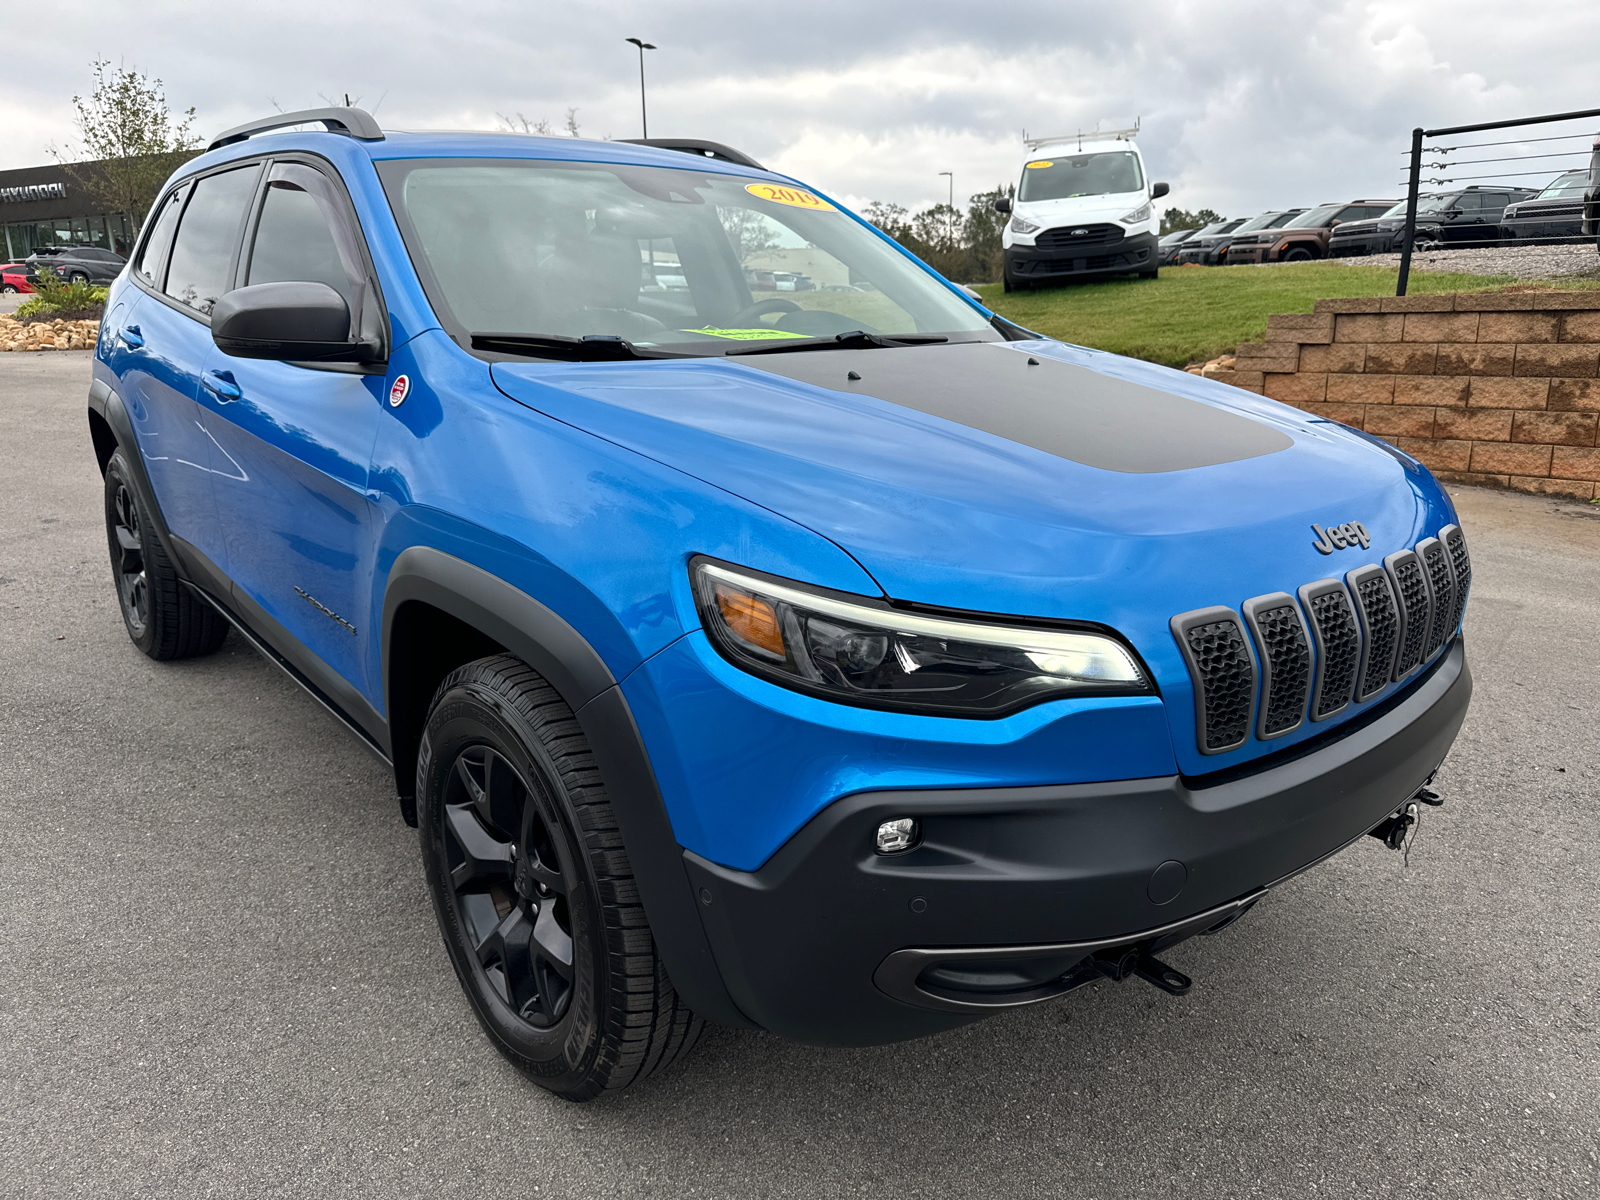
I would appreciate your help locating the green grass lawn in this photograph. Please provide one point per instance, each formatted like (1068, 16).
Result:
(1192, 314)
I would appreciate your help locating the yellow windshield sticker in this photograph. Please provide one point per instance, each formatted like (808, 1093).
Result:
(748, 335)
(792, 196)
(1043, 162)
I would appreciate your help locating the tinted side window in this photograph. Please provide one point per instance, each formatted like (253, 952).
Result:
(1469, 202)
(202, 255)
(148, 267)
(301, 235)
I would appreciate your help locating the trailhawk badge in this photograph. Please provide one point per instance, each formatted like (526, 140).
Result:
(1341, 537)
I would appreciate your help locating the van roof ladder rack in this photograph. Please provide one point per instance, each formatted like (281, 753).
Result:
(1094, 135)
(354, 122)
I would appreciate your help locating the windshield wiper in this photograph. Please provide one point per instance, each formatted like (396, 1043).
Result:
(855, 339)
(592, 347)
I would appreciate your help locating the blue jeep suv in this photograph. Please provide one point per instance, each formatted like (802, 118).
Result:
(844, 662)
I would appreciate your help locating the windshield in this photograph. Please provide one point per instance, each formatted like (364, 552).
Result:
(1572, 183)
(1316, 218)
(1264, 221)
(693, 260)
(1177, 235)
(1437, 203)
(1102, 174)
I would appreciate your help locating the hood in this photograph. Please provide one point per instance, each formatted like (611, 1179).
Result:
(1025, 478)
(1081, 208)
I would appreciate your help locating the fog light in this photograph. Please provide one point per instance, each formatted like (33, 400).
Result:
(897, 835)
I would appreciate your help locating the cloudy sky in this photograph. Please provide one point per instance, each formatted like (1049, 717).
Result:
(1245, 104)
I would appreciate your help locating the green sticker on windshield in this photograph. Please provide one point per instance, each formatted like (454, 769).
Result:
(748, 335)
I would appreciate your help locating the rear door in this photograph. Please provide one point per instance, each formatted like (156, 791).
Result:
(297, 439)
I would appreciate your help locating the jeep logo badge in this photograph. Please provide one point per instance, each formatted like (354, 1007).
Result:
(1341, 537)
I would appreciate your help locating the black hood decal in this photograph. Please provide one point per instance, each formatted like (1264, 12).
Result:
(1054, 406)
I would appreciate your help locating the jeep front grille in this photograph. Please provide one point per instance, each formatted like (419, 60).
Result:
(1338, 641)
(1442, 583)
(1224, 671)
(1380, 627)
(1285, 648)
(1334, 644)
(1416, 609)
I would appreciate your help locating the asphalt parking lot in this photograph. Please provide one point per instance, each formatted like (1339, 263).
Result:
(220, 974)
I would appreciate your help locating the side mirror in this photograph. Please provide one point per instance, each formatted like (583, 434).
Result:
(1002, 204)
(1159, 190)
(287, 322)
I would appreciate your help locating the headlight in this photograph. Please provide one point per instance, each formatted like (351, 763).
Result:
(860, 651)
(1142, 213)
(1020, 224)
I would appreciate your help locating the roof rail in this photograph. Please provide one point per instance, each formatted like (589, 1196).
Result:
(356, 122)
(1094, 135)
(698, 147)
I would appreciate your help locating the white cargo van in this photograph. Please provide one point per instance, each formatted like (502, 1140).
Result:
(1083, 210)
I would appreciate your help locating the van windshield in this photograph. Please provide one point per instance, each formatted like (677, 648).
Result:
(1105, 173)
(1317, 217)
(691, 261)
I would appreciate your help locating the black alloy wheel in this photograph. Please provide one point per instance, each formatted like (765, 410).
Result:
(1298, 254)
(127, 559)
(508, 887)
(533, 889)
(163, 617)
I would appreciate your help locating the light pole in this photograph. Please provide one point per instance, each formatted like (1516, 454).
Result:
(644, 120)
(952, 176)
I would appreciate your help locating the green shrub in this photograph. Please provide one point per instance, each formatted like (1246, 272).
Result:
(58, 299)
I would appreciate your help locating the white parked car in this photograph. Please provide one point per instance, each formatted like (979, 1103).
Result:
(1083, 209)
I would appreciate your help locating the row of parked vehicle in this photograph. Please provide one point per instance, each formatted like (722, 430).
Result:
(1469, 216)
(75, 264)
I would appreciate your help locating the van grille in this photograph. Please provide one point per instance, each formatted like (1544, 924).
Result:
(1326, 648)
(1074, 237)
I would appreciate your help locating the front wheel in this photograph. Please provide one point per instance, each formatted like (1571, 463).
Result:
(533, 889)
(1156, 274)
(165, 619)
(1298, 254)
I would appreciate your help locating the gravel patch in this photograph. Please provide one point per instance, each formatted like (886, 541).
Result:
(1525, 262)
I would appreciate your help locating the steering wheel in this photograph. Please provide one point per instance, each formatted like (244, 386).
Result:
(751, 312)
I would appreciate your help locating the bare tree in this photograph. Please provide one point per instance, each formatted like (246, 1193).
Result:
(541, 127)
(129, 140)
(572, 123)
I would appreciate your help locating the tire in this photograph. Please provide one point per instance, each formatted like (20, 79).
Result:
(1156, 274)
(163, 618)
(1297, 254)
(9, 289)
(1007, 285)
(533, 889)
(77, 277)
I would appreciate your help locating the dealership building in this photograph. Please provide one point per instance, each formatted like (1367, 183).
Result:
(47, 206)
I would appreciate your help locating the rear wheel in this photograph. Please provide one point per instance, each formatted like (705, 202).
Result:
(533, 889)
(77, 277)
(9, 289)
(165, 619)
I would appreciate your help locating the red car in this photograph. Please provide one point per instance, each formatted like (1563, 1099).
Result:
(14, 278)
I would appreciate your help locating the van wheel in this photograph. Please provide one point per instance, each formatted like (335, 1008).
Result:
(165, 619)
(1156, 274)
(1298, 254)
(533, 889)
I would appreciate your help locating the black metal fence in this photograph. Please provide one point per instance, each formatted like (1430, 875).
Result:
(1448, 171)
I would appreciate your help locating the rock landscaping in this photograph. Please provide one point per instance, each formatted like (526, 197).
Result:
(47, 335)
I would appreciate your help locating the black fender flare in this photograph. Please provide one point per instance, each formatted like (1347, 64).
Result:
(105, 403)
(544, 640)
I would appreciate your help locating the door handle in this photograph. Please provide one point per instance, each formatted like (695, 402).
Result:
(131, 337)
(221, 385)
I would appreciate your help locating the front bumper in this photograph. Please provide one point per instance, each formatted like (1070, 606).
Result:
(1136, 252)
(1009, 888)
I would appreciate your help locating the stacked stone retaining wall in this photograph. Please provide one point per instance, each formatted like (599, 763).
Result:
(1494, 389)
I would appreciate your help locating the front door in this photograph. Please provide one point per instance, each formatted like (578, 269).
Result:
(297, 446)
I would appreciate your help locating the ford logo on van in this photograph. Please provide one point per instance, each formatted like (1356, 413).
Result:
(1340, 537)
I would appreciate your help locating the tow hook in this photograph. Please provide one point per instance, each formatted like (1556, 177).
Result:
(1398, 828)
(1117, 965)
